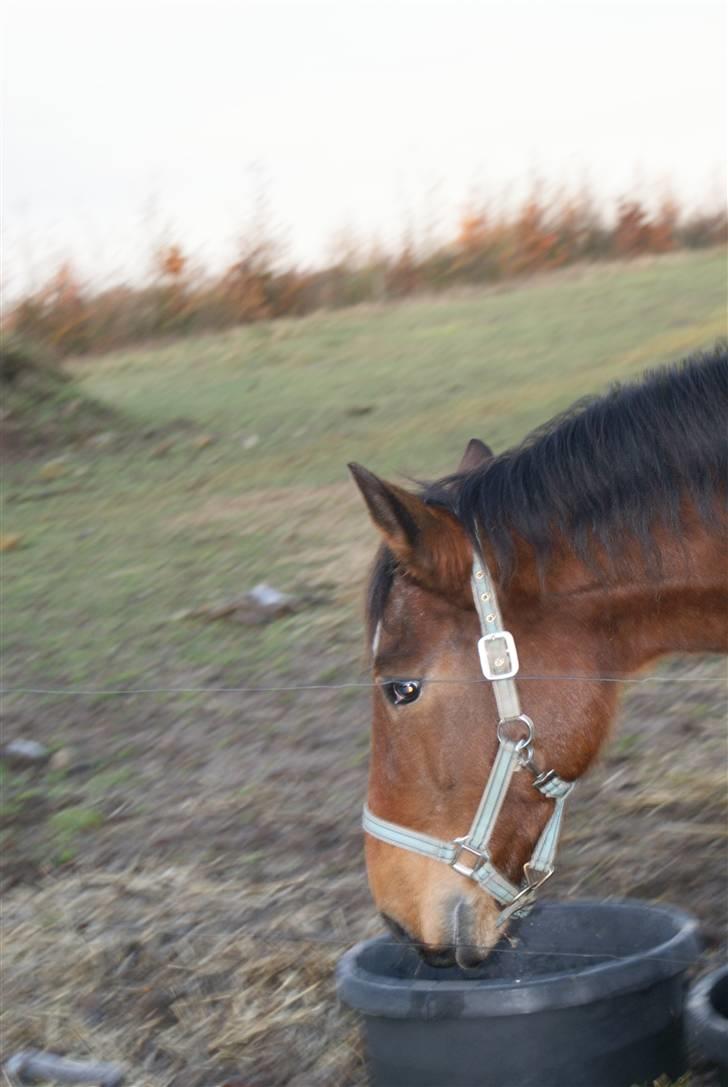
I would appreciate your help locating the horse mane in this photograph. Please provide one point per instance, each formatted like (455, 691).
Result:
(610, 467)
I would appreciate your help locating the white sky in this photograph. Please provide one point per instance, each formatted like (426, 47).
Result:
(126, 119)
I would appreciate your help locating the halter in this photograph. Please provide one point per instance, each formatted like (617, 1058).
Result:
(469, 855)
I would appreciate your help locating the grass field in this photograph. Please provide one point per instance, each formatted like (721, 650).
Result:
(182, 875)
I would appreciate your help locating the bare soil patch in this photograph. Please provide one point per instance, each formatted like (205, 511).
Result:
(193, 936)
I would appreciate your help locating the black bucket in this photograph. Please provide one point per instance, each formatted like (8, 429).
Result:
(591, 995)
(706, 1016)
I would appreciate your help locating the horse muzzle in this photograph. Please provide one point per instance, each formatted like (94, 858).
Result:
(467, 933)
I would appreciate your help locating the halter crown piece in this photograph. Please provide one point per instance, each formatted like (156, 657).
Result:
(469, 855)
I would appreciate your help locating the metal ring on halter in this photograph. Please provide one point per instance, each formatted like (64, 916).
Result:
(527, 762)
(526, 741)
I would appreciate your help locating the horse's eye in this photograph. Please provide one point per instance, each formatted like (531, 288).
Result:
(402, 691)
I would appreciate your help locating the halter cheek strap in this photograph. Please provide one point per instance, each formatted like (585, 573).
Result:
(469, 855)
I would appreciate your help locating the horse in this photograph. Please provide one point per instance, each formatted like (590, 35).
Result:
(601, 542)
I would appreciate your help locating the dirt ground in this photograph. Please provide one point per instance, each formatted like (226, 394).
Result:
(194, 936)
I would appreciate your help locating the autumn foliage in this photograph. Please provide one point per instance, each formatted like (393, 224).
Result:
(488, 246)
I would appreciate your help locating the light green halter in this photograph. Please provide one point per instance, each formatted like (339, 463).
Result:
(469, 855)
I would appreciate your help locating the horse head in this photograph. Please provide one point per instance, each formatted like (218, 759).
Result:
(577, 620)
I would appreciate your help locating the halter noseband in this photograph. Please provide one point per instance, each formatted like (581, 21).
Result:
(469, 855)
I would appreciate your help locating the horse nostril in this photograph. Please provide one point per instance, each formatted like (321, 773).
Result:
(468, 957)
(467, 953)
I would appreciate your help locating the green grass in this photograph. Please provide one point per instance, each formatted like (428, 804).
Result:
(137, 533)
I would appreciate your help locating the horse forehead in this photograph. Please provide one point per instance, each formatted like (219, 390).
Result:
(414, 615)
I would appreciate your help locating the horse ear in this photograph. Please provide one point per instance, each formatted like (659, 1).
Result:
(401, 517)
(425, 540)
(476, 454)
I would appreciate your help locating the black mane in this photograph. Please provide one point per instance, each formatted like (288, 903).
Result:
(610, 467)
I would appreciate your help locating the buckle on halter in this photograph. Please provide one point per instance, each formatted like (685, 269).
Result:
(542, 780)
(539, 877)
(465, 869)
(535, 878)
(498, 656)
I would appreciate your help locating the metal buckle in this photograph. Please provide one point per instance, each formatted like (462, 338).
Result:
(544, 873)
(527, 895)
(542, 780)
(464, 869)
(498, 661)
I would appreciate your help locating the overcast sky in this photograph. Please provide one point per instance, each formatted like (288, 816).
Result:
(123, 120)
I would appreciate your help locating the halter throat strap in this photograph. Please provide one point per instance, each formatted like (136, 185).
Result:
(470, 855)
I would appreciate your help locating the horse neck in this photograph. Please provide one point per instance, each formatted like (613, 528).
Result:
(675, 600)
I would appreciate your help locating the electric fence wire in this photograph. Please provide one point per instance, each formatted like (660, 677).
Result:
(356, 684)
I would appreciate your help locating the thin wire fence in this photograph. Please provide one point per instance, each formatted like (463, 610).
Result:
(502, 948)
(363, 685)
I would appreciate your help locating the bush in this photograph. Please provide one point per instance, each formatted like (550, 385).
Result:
(540, 235)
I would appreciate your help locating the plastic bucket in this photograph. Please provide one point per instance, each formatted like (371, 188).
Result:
(591, 995)
(706, 1016)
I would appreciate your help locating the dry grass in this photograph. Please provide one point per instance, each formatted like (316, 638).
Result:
(153, 969)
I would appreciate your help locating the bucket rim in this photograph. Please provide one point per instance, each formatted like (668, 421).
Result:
(377, 994)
